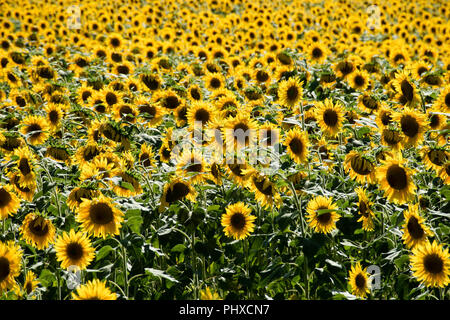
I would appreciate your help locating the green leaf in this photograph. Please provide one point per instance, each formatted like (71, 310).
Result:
(160, 274)
(134, 220)
(103, 252)
(178, 248)
(126, 185)
(46, 278)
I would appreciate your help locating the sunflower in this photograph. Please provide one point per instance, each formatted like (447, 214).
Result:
(214, 81)
(359, 80)
(360, 167)
(415, 232)
(239, 132)
(436, 120)
(322, 215)
(25, 192)
(9, 202)
(329, 117)
(74, 249)
(24, 163)
(296, 142)
(430, 264)
(54, 115)
(443, 102)
(100, 217)
(238, 221)
(406, 92)
(30, 283)
(36, 129)
(123, 112)
(264, 189)
(364, 209)
(191, 165)
(94, 290)
(269, 135)
(37, 231)
(150, 113)
(395, 180)
(317, 52)
(200, 114)
(77, 195)
(359, 280)
(392, 137)
(384, 117)
(290, 92)
(147, 157)
(434, 157)
(10, 258)
(368, 103)
(176, 190)
(413, 125)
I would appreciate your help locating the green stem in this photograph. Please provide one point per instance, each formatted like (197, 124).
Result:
(58, 277)
(125, 273)
(194, 266)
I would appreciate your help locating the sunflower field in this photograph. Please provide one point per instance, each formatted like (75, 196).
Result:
(224, 149)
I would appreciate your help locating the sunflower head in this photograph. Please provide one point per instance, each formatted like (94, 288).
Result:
(330, 117)
(359, 280)
(322, 215)
(415, 232)
(74, 249)
(94, 290)
(238, 221)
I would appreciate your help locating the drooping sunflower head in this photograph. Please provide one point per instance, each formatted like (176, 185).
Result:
(36, 129)
(10, 260)
(238, 221)
(364, 209)
(74, 249)
(37, 231)
(297, 144)
(322, 215)
(407, 94)
(415, 232)
(430, 264)
(413, 125)
(176, 190)
(392, 137)
(9, 202)
(360, 167)
(359, 280)
(330, 117)
(30, 283)
(94, 290)
(100, 217)
(192, 166)
(264, 189)
(396, 181)
(290, 92)
(434, 157)
(368, 103)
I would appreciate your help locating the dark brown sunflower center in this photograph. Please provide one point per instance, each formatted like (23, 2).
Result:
(363, 209)
(292, 93)
(4, 268)
(53, 116)
(151, 82)
(5, 198)
(330, 117)
(34, 129)
(238, 221)
(296, 146)
(447, 100)
(259, 184)
(29, 287)
(38, 227)
(148, 109)
(447, 169)
(396, 177)
(360, 281)
(145, 160)
(409, 125)
(215, 83)
(268, 137)
(236, 169)
(262, 76)
(434, 121)
(407, 90)
(74, 251)
(111, 98)
(323, 218)
(359, 81)
(24, 166)
(178, 191)
(126, 113)
(391, 137)
(414, 228)
(202, 115)
(370, 102)
(433, 263)
(195, 94)
(361, 165)
(115, 42)
(171, 102)
(345, 68)
(101, 213)
(85, 95)
(317, 53)
(438, 157)
(195, 166)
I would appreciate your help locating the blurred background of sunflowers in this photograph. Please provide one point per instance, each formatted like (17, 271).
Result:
(351, 100)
